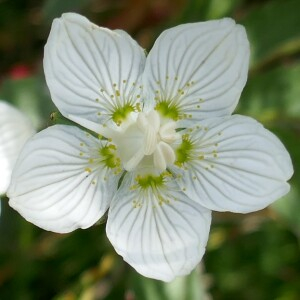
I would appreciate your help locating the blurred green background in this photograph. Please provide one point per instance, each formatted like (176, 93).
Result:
(254, 256)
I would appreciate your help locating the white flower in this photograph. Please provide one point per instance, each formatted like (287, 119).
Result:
(15, 129)
(168, 151)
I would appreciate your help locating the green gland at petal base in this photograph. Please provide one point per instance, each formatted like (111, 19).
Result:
(150, 180)
(109, 157)
(183, 152)
(167, 109)
(121, 113)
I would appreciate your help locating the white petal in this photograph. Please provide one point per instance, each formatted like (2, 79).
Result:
(15, 129)
(161, 233)
(200, 68)
(56, 186)
(238, 166)
(91, 70)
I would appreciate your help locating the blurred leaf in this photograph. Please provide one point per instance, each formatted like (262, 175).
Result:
(259, 264)
(54, 8)
(273, 30)
(273, 94)
(191, 287)
(31, 96)
(200, 10)
(194, 11)
(221, 8)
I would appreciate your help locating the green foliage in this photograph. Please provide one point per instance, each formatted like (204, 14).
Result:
(259, 259)
(54, 8)
(273, 94)
(273, 30)
(31, 96)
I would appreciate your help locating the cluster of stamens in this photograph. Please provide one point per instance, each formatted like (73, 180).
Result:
(115, 105)
(173, 105)
(153, 187)
(104, 156)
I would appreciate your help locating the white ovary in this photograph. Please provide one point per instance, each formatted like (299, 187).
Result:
(146, 140)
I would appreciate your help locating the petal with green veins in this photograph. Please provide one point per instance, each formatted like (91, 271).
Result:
(92, 72)
(64, 179)
(235, 165)
(196, 71)
(157, 229)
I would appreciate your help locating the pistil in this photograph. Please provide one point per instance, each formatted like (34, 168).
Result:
(153, 139)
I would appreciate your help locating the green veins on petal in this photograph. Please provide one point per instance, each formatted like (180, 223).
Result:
(167, 109)
(183, 152)
(120, 114)
(150, 181)
(109, 156)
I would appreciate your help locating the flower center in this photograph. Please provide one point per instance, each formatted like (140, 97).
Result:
(147, 141)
